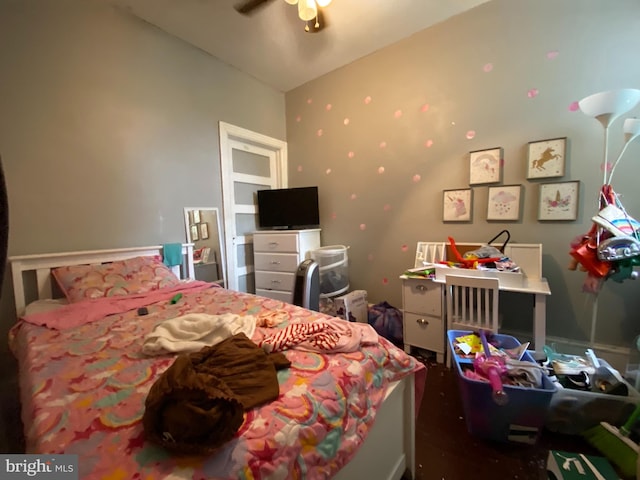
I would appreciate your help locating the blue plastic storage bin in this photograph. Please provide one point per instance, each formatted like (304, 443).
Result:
(520, 420)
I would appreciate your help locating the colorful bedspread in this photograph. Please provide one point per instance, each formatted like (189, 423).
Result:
(83, 391)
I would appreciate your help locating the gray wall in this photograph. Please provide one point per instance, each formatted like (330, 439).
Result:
(109, 128)
(564, 51)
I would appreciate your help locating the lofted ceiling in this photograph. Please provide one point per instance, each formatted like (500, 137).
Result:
(271, 44)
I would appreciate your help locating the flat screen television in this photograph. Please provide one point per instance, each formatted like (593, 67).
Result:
(288, 208)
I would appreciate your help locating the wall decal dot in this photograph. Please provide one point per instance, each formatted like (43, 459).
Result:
(385, 281)
(607, 165)
(351, 154)
(574, 107)
(380, 170)
(334, 215)
(397, 113)
(320, 132)
(309, 101)
(425, 108)
(428, 143)
(487, 67)
(363, 226)
(471, 134)
(298, 118)
(416, 178)
(328, 107)
(386, 208)
(328, 171)
(370, 257)
(404, 248)
(353, 196)
(299, 168)
(367, 100)
(346, 121)
(532, 93)
(383, 144)
(552, 54)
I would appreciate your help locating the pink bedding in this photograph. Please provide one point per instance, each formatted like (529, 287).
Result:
(83, 391)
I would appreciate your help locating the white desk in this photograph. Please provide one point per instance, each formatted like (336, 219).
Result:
(539, 288)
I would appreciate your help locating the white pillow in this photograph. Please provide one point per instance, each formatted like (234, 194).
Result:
(45, 305)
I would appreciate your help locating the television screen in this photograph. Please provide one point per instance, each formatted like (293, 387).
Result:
(288, 208)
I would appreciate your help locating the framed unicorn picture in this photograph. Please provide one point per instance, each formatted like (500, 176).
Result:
(546, 158)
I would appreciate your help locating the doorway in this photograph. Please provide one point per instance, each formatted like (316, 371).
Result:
(249, 162)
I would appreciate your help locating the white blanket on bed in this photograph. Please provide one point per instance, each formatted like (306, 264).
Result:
(191, 332)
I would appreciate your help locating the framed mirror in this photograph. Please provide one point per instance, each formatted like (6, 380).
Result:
(202, 226)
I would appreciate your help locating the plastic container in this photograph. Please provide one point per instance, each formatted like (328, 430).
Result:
(520, 420)
(574, 411)
(333, 266)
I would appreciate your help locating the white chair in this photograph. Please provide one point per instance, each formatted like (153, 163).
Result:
(471, 304)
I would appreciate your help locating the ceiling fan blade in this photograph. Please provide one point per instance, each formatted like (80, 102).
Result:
(248, 6)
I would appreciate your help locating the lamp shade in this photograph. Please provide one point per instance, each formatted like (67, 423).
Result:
(607, 106)
(631, 129)
(291, 2)
(307, 10)
(323, 3)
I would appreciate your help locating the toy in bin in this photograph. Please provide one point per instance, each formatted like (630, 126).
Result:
(522, 417)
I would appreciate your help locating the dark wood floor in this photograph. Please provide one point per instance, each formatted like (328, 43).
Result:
(446, 451)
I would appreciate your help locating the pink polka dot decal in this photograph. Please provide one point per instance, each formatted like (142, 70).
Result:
(351, 154)
(380, 170)
(470, 134)
(320, 132)
(299, 168)
(367, 100)
(552, 54)
(346, 121)
(298, 119)
(404, 248)
(385, 281)
(397, 113)
(416, 178)
(574, 107)
(328, 107)
(428, 143)
(309, 101)
(532, 93)
(487, 67)
(363, 226)
(383, 144)
(424, 108)
(328, 171)
(386, 208)
(334, 215)
(353, 196)
(370, 257)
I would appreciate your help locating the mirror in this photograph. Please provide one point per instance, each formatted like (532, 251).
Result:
(203, 230)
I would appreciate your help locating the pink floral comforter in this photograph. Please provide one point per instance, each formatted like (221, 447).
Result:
(83, 391)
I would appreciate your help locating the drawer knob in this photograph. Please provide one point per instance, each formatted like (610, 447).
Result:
(422, 321)
(273, 244)
(275, 262)
(421, 287)
(275, 281)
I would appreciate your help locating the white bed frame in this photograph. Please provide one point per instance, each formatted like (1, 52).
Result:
(387, 453)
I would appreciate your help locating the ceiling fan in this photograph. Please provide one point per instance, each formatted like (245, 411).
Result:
(308, 11)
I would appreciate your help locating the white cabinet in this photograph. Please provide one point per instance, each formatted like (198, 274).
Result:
(423, 323)
(277, 255)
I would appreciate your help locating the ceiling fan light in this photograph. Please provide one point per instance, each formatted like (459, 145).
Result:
(307, 10)
(323, 3)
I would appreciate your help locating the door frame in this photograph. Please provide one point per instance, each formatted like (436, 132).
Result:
(231, 135)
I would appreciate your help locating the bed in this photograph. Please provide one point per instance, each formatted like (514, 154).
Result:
(84, 380)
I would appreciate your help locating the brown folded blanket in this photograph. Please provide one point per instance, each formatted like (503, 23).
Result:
(198, 403)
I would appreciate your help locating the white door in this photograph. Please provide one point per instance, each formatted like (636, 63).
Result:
(249, 162)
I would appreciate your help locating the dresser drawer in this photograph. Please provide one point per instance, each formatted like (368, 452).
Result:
(276, 262)
(276, 295)
(276, 242)
(275, 281)
(424, 331)
(422, 296)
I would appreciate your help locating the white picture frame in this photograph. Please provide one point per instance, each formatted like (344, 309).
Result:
(457, 205)
(503, 202)
(485, 166)
(558, 201)
(546, 158)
